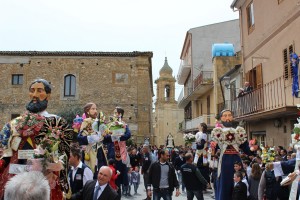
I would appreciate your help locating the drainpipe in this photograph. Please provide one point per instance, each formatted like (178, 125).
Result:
(220, 80)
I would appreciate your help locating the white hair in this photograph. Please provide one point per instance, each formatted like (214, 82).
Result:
(27, 186)
(106, 167)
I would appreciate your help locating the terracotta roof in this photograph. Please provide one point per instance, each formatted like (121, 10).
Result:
(75, 53)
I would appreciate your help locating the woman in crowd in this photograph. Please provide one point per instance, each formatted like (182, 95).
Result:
(253, 181)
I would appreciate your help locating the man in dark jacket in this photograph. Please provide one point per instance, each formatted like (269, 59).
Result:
(179, 161)
(163, 178)
(192, 178)
(146, 162)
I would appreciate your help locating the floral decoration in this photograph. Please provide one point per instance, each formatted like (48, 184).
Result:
(253, 145)
(53, 147)
(268, 154)
(229, 136)
(29, 124)
(77, 123)
(189, 138)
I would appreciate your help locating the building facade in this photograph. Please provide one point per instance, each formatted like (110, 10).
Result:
(108, 79)
(167, 114)
(267, 41)
(199, 72)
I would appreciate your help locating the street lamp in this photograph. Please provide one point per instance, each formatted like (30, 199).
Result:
(226, 80)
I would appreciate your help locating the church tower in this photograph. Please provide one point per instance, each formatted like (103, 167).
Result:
(167, 115)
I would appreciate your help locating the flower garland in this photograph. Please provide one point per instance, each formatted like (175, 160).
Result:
(29, 124)
(229, 136)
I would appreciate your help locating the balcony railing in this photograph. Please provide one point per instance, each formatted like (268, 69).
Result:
(187, 125)
(204, 77)
(270, 96)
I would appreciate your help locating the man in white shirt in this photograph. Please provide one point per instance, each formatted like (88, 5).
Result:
(80, 173)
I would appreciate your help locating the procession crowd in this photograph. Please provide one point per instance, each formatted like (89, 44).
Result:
(43, 157)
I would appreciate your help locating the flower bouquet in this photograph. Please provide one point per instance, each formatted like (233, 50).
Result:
(116, 127)
(77, 123)
(50, 156)
(297, 132)
(189, 138)
(268, 154)
(253, 145)
(29, 124)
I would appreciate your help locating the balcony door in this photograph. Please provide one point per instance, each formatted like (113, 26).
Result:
(254, 76)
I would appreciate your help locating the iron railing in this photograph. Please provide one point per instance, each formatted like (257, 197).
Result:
(205, 77)
(194, 123)
(269, 97)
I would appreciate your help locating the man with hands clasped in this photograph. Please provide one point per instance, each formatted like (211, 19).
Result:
(163, 178)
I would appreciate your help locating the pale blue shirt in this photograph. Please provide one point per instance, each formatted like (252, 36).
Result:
(100, 191)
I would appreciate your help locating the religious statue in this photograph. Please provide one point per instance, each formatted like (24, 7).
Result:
(230, 140)
(170, 141)
(37, 141)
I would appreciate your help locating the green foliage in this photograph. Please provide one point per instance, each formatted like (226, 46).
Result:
(296, 130)
(69, 113)
(129, 142)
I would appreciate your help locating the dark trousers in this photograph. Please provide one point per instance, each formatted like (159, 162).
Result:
(191, 193)
(135, 186)
(165, 194)
(146, 179)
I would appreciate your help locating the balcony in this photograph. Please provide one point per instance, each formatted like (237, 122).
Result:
(183, 73)
(190, 125)
(202, 84)
(272, 99)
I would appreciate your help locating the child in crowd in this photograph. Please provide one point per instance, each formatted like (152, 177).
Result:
(135, 179)
(128, 189)
(115, 174)
(240, 188)
(238, 167)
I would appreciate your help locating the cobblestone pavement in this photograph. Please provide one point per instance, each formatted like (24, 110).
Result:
(142, 194)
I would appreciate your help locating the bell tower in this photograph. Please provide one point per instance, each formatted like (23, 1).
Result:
(167, 115)
(165, 91)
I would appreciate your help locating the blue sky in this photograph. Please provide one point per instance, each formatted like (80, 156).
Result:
(159, 26)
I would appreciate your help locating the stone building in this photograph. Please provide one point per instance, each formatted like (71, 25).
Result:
(109, 79)
(167, 114)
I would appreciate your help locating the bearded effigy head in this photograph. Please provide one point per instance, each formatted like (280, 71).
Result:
(227, 118)
(39, 92)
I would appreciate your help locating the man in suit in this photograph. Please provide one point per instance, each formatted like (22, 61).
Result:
(100, 189)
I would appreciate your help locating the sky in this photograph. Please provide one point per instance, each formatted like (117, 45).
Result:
(159, 26)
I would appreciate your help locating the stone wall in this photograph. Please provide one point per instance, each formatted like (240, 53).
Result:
(108, 79)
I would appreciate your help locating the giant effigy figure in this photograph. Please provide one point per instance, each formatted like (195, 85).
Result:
(230, 140)
(37, 141)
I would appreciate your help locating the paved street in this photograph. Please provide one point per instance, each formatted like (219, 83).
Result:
(142, 194)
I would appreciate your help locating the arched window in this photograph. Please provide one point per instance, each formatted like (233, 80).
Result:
(70, 86)
(167, 92)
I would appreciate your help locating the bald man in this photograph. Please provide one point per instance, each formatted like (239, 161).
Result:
(100, 189)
